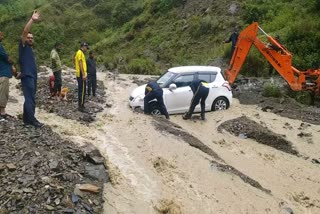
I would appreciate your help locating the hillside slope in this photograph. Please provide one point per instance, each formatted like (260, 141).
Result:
(147, 36)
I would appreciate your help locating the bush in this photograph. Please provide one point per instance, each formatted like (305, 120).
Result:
(162, 6)
(203, 26)
(141, 66)
(304, 97)
(271, 90)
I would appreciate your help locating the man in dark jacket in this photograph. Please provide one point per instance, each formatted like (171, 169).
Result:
(92, 74)
(200, 91)
(6, 70)
(29, 73)
(233, 39)
(154, 91)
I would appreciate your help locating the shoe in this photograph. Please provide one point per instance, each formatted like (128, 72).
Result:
(82, 109)
(186, 116)
(36, 124)
(167, 117)
(203, 117)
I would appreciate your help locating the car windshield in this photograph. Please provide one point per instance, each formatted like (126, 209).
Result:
(164, 78)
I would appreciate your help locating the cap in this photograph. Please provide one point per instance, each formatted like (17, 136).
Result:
(84, 44)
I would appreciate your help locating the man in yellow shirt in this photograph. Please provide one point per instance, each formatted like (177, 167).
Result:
(81, 74)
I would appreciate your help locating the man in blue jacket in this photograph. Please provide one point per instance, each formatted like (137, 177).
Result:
(154, 91)
(29, 73)
(200, 91)
(5, 74)
(92, 74)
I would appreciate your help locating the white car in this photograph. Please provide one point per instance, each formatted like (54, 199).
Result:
(177, 94)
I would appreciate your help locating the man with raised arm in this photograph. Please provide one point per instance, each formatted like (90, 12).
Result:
(29, 73)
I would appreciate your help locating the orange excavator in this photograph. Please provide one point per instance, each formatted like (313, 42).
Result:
(277, 55)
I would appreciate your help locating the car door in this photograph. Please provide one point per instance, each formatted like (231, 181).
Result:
(209, 77)
(178, 100)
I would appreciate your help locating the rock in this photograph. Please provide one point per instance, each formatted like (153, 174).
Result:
(77, 191)
(89, 188)
(68, 211)
(87, 207)
(97, 172)
(27, 190)
(2, 166)
(50, 208)
(287, 210)
(54, 165)
(74, 198)
(315, 161)
(11, 167)
(243, 136)
(57, 201)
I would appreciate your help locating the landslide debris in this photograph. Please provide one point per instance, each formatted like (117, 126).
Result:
(69, 108)
(249, 91)
(243, 127)
(42, 173)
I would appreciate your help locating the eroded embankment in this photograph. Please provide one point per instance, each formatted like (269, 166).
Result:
(246, 128)
(217, 162)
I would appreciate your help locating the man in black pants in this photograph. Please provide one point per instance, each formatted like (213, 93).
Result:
(154, 91)
(29, 73)
(92, 74)
(200, 90)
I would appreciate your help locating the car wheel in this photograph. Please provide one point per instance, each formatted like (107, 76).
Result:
(154, 109)
(221, 103)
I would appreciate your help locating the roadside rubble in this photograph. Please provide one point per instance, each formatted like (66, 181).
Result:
(42, 173)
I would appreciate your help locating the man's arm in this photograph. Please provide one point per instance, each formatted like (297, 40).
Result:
(35, 16)
(3, 54)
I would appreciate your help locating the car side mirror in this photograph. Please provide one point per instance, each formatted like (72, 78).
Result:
(172, 86)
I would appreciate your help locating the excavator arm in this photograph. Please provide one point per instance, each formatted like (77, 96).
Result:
(277, 55)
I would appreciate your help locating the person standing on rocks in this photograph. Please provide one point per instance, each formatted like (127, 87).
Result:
(29, 73)
(6, 70)
(56, 69)
(81, 74)
(233, 39)
(92, 74)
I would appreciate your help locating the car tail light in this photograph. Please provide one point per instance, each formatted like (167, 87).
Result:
(227, 85)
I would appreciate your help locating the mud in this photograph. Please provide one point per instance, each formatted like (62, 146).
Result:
(245, 128)
(218, 163)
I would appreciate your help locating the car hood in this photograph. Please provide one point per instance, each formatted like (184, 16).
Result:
(138, 91)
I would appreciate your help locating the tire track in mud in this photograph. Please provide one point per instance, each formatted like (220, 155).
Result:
(251, 129)
(164, 125)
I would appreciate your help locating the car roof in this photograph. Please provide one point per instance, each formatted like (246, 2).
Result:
(183, 69)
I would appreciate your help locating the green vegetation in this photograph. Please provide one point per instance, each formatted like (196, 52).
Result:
(271, 90)
(148, 36)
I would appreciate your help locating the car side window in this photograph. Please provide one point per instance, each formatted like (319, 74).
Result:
(183, 80)
(205, 77)
(208, 77)
(213, 77)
